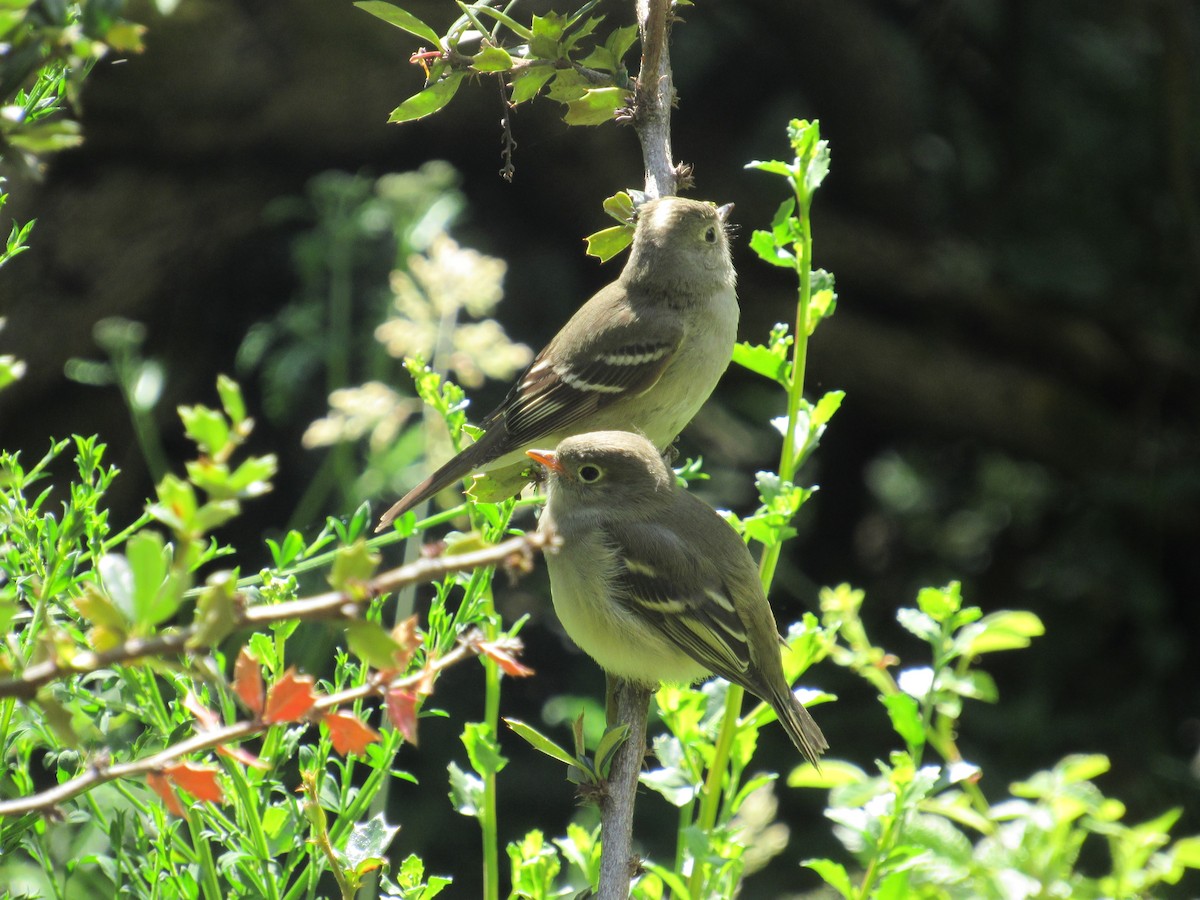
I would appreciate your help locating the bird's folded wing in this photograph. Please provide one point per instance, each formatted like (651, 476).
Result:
(560, 389)
(696, 612)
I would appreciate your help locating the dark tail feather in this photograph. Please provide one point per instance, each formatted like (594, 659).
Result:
(457, 468)
(800, 726)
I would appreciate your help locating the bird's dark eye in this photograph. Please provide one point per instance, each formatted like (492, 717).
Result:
(589, 474)
(711, 235)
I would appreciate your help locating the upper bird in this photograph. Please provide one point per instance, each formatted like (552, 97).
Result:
(643, 353)
(655, 586)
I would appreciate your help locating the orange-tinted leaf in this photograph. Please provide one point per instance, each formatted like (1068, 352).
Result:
(206, 717)
(348, 733)
(245, 757)
(199, 781)
(247, 681)
(161, 786)
(405, 634)
(504, 659)
(290, 698)
(402, 712)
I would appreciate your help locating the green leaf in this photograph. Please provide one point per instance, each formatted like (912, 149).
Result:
(621, 207)
(492, 59)
(773, 166)
(596, 106)
(608, 242)
(918, 623)
(352, 566)
(833, 874)
(829, 404)
(149, 561)
(905, 713)
(940, 603)
(609, 744)
(1003, 630)
(215, 611)
(369, 841)
(401, 18)
(547, 32)
(763, 243)
(482, 748)
(762, 360)
(428, 101)
(466, 791)
(527, 82)
(833, 773)
(207, 427)
(568, 85)
(370, 642)
(539, 741)
(620, 40)
(232, 401)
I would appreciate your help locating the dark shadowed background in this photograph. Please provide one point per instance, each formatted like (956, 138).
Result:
(1013, 221)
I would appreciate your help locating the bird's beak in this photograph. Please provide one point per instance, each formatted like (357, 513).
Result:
(723, 212)
(547, 460)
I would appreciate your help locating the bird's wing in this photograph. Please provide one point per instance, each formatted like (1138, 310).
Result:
(701, 618)
(581, 371)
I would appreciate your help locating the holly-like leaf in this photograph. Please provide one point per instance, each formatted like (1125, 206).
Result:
(429, 100)
(290, 698)
(199, 781)
(348, 733)
(247, 681)
(608, 242)
(527, 82)
(491, 59)
(596, 106)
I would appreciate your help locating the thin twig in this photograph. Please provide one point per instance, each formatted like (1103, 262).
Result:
(100, 772)
(515, 553)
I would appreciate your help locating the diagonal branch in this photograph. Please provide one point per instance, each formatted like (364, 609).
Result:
(100, 772)
(654, 96)
(513, 554)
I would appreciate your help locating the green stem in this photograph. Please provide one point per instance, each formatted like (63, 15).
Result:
(714, 782)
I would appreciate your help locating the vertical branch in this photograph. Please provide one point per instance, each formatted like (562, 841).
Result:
(654, 96)
(629, 704)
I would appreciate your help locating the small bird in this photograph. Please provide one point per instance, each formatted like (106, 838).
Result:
(652, 584)
(643, 353)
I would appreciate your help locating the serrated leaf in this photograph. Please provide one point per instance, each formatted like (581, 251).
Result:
(596, 106)
(370, 840)
(207, 427)
(527, 83)
(232, 401)
(348, 733)
(608, 242)
(540, 742)
(428, 101)
(492, 59)
(401, 18)
(763, 243)
(762, 361)
(466, 791)
(621, 39)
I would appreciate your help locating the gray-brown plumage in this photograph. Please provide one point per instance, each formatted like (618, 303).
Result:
(652, 584)
(643, 353)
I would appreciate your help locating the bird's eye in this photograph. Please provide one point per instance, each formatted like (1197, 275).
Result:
(711, 235)
(589, 474)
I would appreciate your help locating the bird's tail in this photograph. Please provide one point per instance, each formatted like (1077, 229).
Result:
(799, 725)
(455, 469)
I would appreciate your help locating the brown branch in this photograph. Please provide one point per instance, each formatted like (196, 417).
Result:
(654, 96)
(514, 553)
(101, 772)
(631, 703)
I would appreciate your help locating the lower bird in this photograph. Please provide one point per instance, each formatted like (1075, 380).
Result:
(652, 583)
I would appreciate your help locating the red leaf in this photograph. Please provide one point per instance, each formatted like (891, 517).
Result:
(348, 733)
(504, 659)
(402, 712)
(290, 698)
(205, 716)
(405, 634)
(199, 781)
(161, 786)
(247, 681)
(245, 757)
